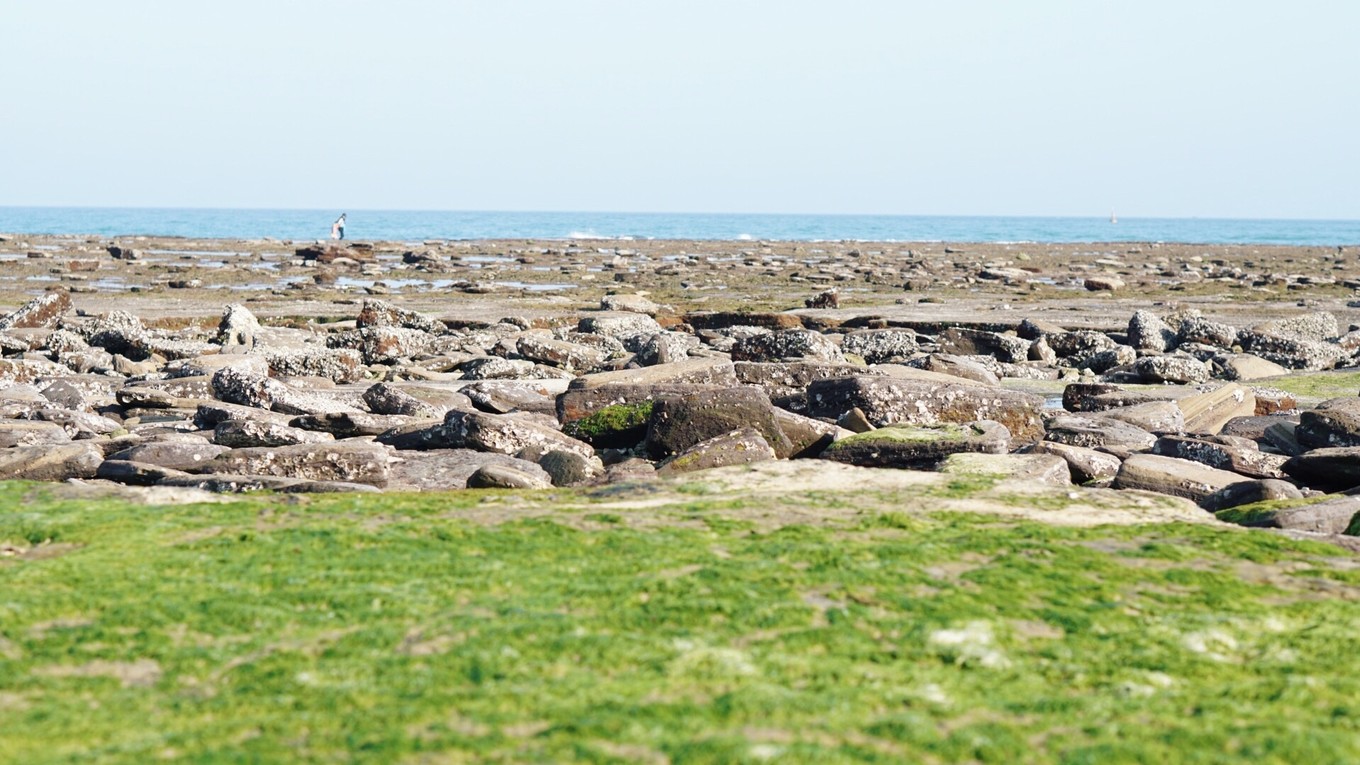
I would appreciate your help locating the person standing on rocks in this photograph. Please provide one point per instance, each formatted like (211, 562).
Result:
(338, 227)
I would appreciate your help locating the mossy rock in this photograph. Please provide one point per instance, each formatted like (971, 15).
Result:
(616, 426)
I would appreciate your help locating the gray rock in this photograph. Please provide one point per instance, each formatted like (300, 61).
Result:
(1248, 492)
(807, 437)
(505, 434)
(1047, 469)
(570, 468)
(1169, 475)
(889, 401)
(340, 366)
(1084, 465)
(238, 387)
(31, 433)
(349, 424)
(971, 342)
(1153, 416)
(1329, 469)
(956, 366)
(1097, 397)
(665, 347)
(1118, 438)
(238, 327)
(1109, 360)
(630, 304)
(1209, 410)
(384, 345)
(503, 477)
(1180, 370)
(345, 461)
(679, 422)
(177, 455)
(1197, 329)
(248, 433)
(912, 446)
(1237, 457)
(543, 349)
(786, 345)
(505, 396)
(1331, 516)
(1292, 352)
(378, 314)
(718, 372)
(1147, 332)
(877, 346)
(619, 325)
(413, 401)
(55, 462)
(1245, 366)
(1332, 423)
(43, 311)
(449, 469)
(1319, 327)
(742, 446)
(136, 473)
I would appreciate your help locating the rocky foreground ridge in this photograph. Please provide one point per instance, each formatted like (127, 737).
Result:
(397, 400)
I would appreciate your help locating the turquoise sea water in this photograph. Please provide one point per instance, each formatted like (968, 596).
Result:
(421, 225)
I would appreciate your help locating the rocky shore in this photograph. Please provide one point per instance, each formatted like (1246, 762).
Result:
(300, 367)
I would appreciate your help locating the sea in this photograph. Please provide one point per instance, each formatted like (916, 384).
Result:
(428, 225)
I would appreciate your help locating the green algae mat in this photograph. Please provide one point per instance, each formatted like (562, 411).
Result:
(686, 628)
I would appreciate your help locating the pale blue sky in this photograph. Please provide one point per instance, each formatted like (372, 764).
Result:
(1148, 108)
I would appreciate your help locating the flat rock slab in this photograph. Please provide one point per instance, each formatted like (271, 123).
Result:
(890, 401)
(1176, 477)
(449, 469)
(351, 462)
(1048, 469)
(702, 371)
(57, 462)
(911, 446)
(1331, 516)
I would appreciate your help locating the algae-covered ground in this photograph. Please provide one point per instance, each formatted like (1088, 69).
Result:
(682, 624)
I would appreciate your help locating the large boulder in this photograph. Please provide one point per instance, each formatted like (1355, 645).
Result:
(43, 311)
(877, 346)
(1147, 332)
(1333, 423)
(1331, 469)
(679, 422)
(786, 345)
(888, 401)
(974, 342)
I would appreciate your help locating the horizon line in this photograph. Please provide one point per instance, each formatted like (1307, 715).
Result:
(673, 212)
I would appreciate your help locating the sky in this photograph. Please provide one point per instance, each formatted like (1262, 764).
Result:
(1191, 108)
